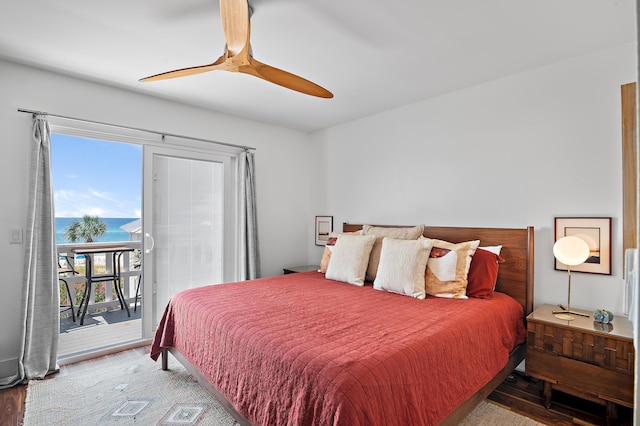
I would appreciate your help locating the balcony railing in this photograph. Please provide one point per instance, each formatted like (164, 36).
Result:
(103, 294)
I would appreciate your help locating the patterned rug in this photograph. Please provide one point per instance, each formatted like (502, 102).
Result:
(136, 391)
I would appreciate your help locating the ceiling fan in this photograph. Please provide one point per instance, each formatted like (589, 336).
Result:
(238, 56)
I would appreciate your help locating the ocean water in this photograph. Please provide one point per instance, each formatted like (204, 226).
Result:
(114, 232)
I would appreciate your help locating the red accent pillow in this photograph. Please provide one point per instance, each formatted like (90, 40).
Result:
(483, 274)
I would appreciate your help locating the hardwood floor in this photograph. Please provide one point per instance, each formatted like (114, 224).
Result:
(523, 396)
(12, 403)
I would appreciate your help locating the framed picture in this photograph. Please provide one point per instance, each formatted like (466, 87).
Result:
(596, 231)
(324, 227)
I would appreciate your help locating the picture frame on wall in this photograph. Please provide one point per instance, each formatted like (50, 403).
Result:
(596, 232)
(324, 227)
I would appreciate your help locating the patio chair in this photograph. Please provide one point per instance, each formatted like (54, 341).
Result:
(138, 295)
(137, 264)
(67, 271)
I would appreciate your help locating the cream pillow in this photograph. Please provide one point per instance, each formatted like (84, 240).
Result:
(349, 258)
(328, 248)
(381, 232)
(402, 266)
(448, 268)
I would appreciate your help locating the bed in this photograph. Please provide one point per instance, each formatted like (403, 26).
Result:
(301, 349)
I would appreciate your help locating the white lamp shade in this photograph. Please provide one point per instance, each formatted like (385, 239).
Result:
(571, 250)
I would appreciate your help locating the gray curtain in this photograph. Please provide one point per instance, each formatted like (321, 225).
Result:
(249, 247)
(40, 308)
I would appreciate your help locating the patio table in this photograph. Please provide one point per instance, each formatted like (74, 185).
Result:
(114, 275)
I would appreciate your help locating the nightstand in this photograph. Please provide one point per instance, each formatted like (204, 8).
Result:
(583, 358)
(304, 268)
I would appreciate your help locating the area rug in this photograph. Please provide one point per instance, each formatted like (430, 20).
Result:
(134, 391)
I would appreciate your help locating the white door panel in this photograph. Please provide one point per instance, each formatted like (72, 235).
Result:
(189, 214)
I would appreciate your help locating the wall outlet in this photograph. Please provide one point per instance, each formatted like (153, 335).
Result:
(15, 236)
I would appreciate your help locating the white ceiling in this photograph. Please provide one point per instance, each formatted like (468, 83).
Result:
(373, 55)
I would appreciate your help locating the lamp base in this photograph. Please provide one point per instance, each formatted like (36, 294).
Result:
(565, 314)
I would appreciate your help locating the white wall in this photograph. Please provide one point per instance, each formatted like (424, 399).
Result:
(513, 152)
(281, 169)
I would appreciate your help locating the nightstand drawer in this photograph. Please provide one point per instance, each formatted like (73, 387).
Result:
(598, 349)
(582, 377)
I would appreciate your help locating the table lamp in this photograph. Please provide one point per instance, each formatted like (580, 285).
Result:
(571, 251)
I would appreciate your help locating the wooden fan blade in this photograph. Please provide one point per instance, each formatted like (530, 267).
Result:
(237, 56)
(182, 72)
(285, 79)
(235, 22)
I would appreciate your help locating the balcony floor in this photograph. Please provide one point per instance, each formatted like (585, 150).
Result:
(100, 330)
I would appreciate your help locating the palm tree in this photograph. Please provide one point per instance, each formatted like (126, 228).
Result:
(87, 229)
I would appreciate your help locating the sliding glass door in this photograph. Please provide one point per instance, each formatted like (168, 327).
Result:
(188, 233)
(189, 222)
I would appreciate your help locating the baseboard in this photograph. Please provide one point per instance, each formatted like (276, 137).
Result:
(8, 367)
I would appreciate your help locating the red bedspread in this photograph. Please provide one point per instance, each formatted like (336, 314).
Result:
(302, 350)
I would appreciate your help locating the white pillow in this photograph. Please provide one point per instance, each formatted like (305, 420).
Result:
(492, 249)
(402, 266)
(328, 248)
(399, 233)
(349, 258)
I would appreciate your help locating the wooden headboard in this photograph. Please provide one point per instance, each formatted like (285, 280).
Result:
(515, 276)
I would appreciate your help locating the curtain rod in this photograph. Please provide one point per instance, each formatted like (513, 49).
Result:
(163, 134)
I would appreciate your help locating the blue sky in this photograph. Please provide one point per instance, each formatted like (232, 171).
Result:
(96, 177)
